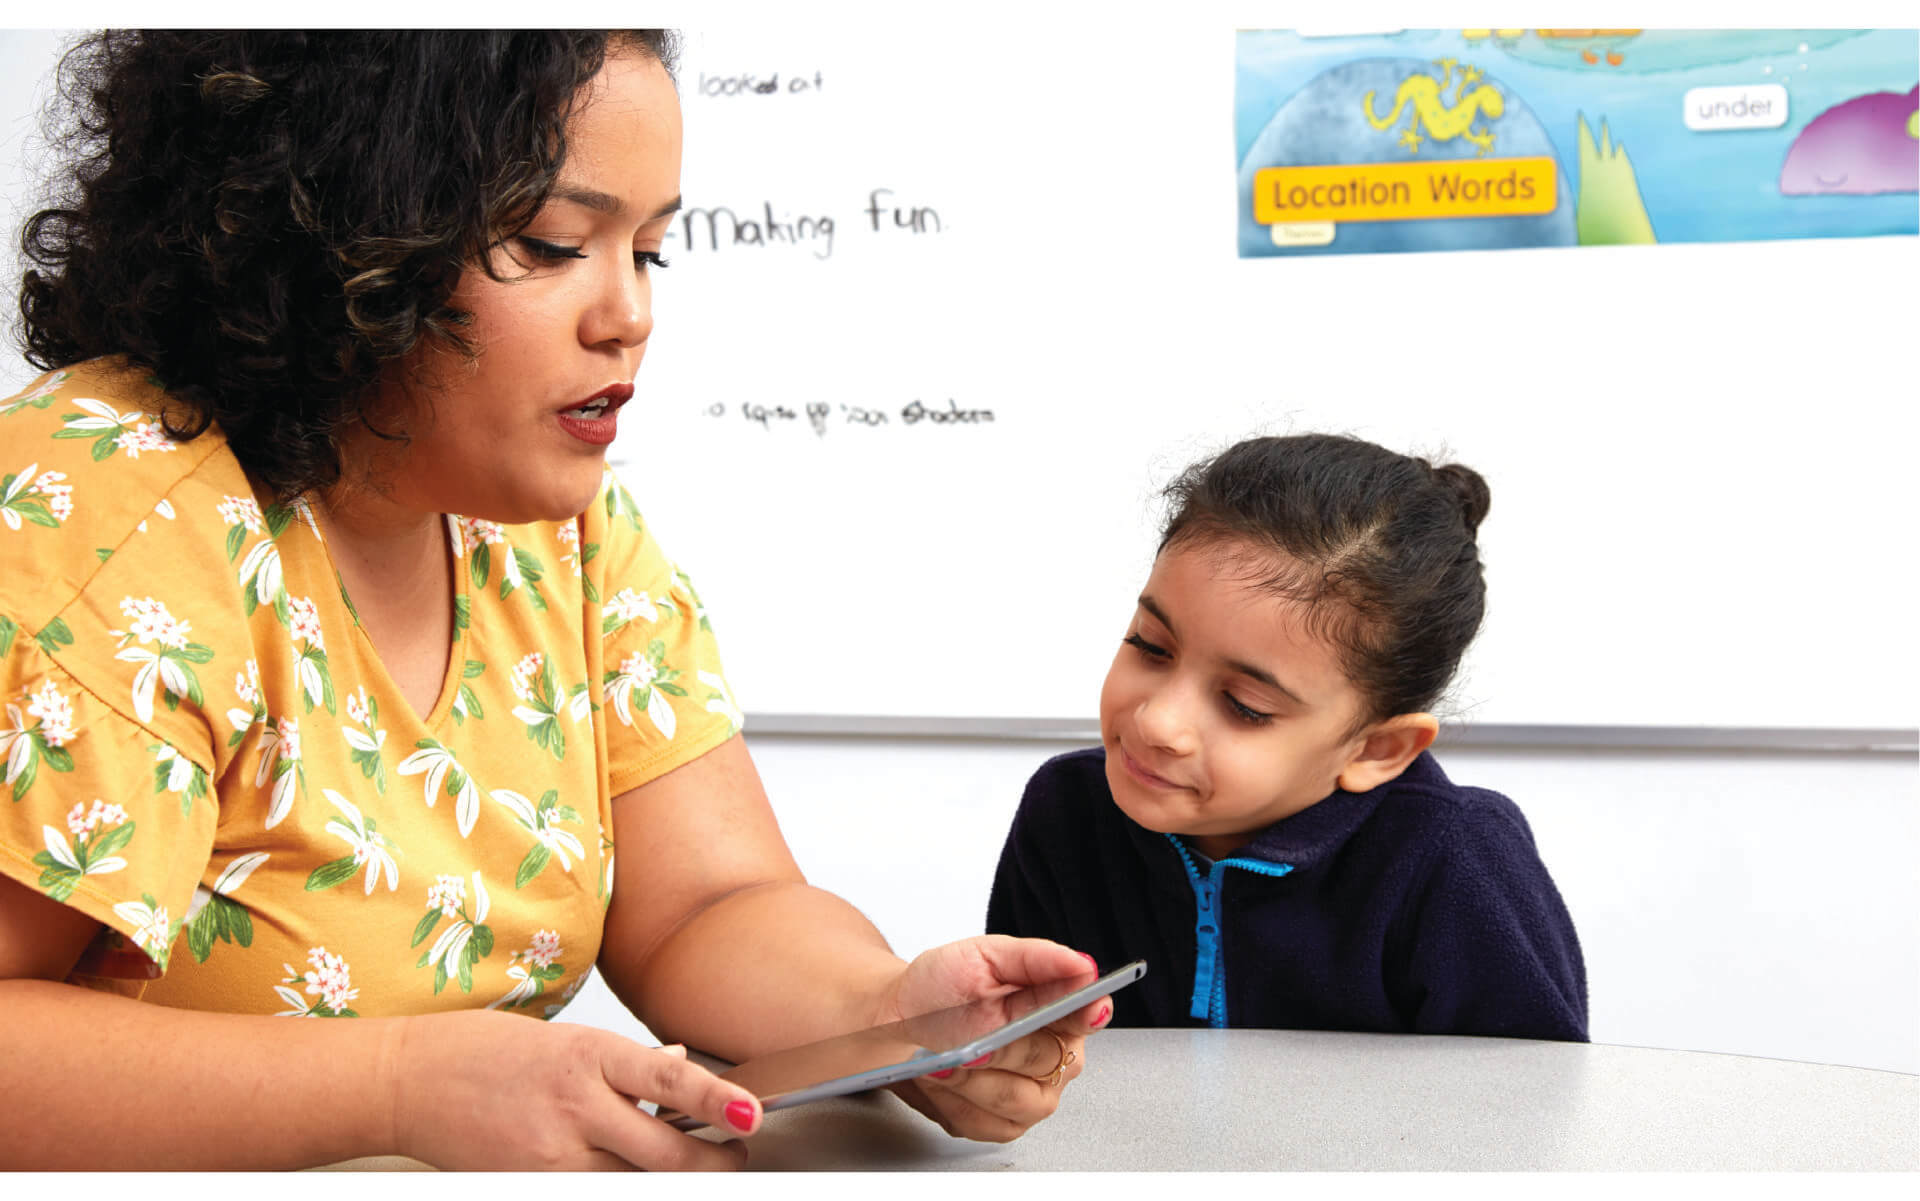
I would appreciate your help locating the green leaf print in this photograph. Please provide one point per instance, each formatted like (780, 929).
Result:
(278, 518)
(462, 614)
(526, 572)
(222, 919)
(53, 636)
(531, 866)
(103, 553)
(619, 504)
(236, 538)
(480, 564)
(428, 921)
(339, 871)
(7, 630)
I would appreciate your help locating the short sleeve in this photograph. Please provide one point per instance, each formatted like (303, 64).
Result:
(661, 682)
(100, 813)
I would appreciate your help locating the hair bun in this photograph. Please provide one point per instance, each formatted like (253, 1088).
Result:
(1469, 490)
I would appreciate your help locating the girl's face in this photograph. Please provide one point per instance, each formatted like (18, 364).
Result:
(1222, 712)
(505, 437)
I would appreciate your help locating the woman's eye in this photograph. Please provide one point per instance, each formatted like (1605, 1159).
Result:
(550, 251)
(644, 259)
(1252, 716)
(1144, 647)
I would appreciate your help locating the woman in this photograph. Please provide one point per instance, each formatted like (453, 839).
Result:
(336, 668)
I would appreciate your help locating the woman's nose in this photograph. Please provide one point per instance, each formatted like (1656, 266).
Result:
(620, 311)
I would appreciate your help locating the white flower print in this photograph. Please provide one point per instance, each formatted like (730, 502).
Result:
(625, 608)
(37, 736)
(532, 970)
(145, 436)
(110, 429)
(246, 685)
(152, 930)
(55, 712)
(310, 661)
(542, 820)
(38, 398)
(442, 769)
(242, 511)
(524, 673)
(366, 846)
(306, 622)
(368, 740)
(534, 684)
(327, 978)
(466, 941)
(170, 666)
(99, 833)
(280, 760)
(448, 894)
(40, 499)
(646, 674)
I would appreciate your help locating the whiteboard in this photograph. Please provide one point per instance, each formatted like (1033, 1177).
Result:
(1699, 454)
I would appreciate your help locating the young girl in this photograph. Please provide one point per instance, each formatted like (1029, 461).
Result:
(1262, 822)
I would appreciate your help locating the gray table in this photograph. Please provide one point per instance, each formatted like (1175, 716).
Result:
(1189, 1100)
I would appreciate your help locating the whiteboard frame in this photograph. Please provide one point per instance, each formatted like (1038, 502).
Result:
(1050, 729)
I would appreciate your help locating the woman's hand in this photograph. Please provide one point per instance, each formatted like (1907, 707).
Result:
(483, 1089)
(996, 1099)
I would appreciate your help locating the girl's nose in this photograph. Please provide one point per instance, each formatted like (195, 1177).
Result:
(1164, 721)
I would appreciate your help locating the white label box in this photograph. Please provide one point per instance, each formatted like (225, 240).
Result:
(1745, 106)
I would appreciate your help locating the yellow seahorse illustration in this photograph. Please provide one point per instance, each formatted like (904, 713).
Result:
(1442, 122)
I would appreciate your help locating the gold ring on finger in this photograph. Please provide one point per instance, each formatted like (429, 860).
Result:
(1066, 1057)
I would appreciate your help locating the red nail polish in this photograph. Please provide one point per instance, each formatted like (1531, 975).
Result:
(1090, 962)
(942, 1075)
(1103, 1017)
(740, 1115)
(976, 1063)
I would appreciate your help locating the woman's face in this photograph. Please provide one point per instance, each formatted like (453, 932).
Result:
(521, 433)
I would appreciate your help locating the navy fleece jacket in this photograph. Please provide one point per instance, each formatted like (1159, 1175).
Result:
(1419, 907)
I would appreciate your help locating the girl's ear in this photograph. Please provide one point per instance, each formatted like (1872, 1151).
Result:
(1385, 750)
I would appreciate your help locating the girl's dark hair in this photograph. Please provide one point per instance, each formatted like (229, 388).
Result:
(1378, 545)
(268, 219)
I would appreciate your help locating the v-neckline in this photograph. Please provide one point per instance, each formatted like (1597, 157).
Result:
(450, 678)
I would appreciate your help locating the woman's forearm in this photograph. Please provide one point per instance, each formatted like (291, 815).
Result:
(93, 1080)
(767, 967)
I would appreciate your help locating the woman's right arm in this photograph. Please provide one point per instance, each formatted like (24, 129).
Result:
(98, 1081)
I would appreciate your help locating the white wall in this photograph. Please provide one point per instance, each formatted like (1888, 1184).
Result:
(1747, 902)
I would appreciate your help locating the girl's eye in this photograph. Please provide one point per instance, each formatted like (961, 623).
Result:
(1144, 647)
(549, 251)
(1250, 716)
(643, 259)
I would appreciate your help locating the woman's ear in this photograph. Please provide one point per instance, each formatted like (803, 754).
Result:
(1386, 748)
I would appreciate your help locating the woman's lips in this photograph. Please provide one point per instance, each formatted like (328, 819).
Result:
(600, 430)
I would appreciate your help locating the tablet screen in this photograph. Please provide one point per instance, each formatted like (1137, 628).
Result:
(901, 1050)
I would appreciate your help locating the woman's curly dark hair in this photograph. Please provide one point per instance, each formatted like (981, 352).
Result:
(269, 219)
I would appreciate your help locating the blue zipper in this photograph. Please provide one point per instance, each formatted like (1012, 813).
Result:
(1210, 968)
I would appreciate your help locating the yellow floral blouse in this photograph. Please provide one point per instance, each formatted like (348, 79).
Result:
(203, 752)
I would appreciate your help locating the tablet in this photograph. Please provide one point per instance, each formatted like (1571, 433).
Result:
(883, 1055)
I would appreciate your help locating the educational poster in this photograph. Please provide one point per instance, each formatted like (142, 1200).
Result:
(1481, 139)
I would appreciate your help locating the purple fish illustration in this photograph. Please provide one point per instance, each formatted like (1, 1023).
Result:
(1859, 147)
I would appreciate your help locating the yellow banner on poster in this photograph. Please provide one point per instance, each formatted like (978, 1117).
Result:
(1409, 191)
